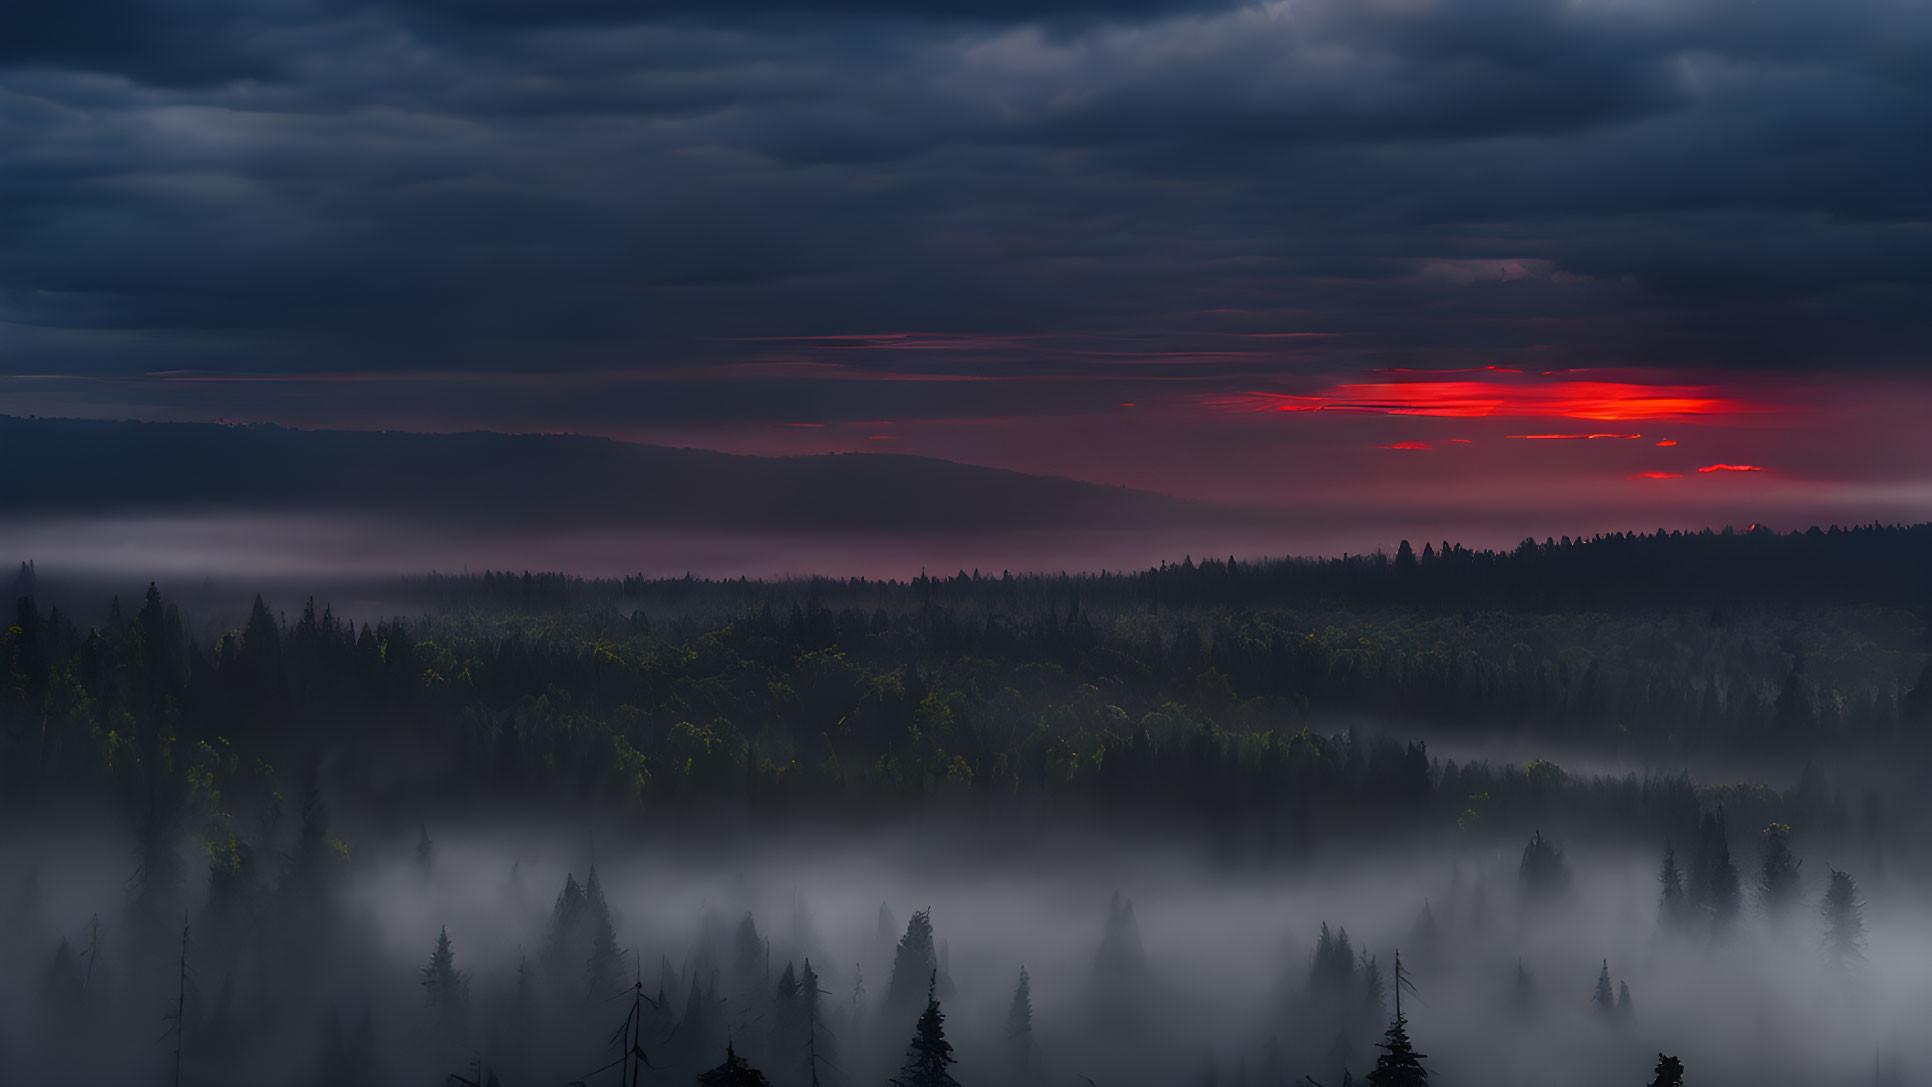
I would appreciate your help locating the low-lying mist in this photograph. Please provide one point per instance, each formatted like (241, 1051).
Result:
(1147, 964)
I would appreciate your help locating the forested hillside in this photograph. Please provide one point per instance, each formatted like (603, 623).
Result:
(306, 789)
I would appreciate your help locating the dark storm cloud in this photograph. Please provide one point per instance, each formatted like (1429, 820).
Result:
(314, 186)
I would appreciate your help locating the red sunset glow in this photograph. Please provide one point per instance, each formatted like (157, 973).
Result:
(1730, 468)
(1407, 445)
(1571, 437)
(1658, 475)
(1599, 400)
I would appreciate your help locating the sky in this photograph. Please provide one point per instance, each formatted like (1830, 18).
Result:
(1498, 267)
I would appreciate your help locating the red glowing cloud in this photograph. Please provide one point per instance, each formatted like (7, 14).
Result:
(1459, 441)
(1571, 437)
(1598, 400)
(1658, 475)
(1730, 468)
(1406, 445)
(1666, 443)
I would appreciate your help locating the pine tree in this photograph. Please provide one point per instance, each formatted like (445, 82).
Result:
(1020, 1050)
(821, 1051)
(1544, 874)
(734, 1072)
(915, 958)
(446, 991)
(1778, 877)
(1724, 895)
(1673, 907)
(1670, 1072)
(930, 1055)
(1399, 1065)
(604, 970)
(1373, 992)
(564, 935)
(1844, 922)
(1625, 1009)
(1605, 999)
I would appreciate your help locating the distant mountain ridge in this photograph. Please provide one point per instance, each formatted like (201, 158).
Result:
(93, 466)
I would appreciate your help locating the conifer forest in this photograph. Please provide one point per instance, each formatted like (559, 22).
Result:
(1633, 809)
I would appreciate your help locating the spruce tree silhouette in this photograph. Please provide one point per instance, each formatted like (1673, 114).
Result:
(1544, 874)
(1399, 1065)
(445, 990)
(821, 1051)
(1670, 1072)
(734, 1072)
(1778, 876)
(1724, 893)
(1844, 922)
(1673, 906)
(1019, 1026)
(929, 1054)
(915, 955)
(1605, 998)
(604, 969)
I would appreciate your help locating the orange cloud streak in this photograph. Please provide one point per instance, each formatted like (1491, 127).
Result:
(1658, 475)
(1406, 445)
(1730, 468)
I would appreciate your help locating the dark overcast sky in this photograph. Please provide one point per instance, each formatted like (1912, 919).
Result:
(979, 230)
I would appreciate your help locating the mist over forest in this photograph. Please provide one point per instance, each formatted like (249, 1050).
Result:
(1637, 809)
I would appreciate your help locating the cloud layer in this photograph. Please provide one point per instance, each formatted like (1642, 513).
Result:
(697, 222)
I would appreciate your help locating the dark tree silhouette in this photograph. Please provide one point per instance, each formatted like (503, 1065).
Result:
(1673, 908)
(734, 1072)
(915, 958)
(1399, 1065)
(1670, 1072)
(446, 992)
(1021, 1051)
(1605, 998)
(1778, 875)
(1544, 874)
(929, 1058)
(1844, 922)
(604, 969)
(563, 940)
(821, 1049)
(1722, 895)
